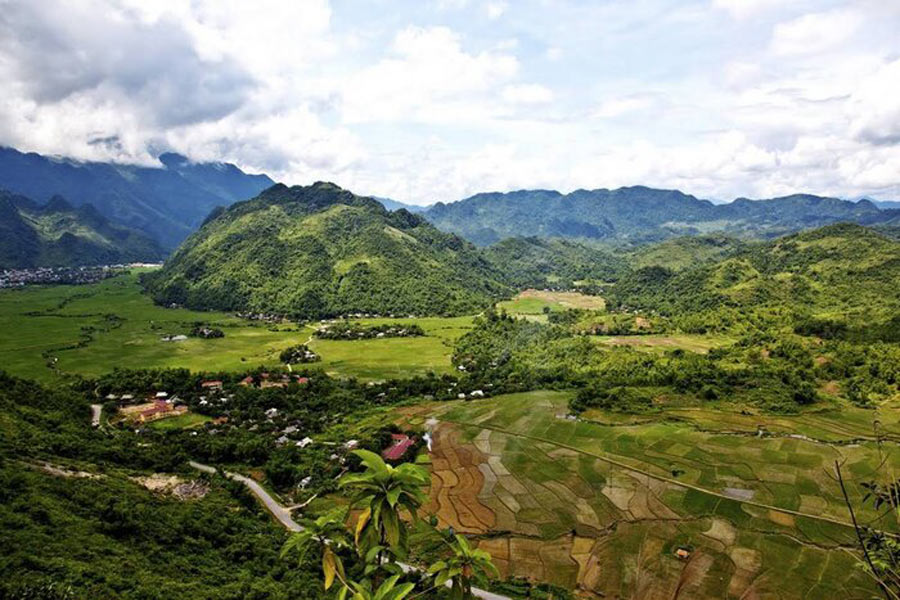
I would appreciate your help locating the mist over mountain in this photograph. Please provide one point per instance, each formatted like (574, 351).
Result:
(167, 203)
(58, 234)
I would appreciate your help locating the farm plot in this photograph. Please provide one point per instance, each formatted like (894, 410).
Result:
(604, 509)
(377, 359)
(536, 301)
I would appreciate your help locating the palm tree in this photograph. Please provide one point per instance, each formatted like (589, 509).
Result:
(465, 566)
(384, 491)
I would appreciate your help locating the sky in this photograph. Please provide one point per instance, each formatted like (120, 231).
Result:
(435, 100)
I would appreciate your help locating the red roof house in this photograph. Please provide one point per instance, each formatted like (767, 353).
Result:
(401, 444)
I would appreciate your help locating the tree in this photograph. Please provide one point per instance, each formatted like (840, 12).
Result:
(465, 566)
(328, 535)
(384, 491)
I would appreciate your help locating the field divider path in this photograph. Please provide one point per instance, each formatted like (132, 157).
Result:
(283, 515)
(663, 478)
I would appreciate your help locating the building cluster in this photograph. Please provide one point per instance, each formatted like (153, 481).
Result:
(144, 409)
(10, 278)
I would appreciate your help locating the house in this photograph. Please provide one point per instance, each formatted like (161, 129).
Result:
(683, 553)
(211, 385)
(127, 399)
(271, 413)
(112, 397)
(303, 380)
(290, 429)
(461, 396)
(246, 381)
(161, 395)
(282, 440)
(401, 443)
(305, 481)
(351, 444)
(304, 442)
(477, 394)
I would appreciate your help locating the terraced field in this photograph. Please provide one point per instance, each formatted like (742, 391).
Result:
(604, 507)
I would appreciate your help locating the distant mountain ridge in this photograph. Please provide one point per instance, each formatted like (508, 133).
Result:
(640, 214)
(60, 235)
(167, 203)
(320, 250)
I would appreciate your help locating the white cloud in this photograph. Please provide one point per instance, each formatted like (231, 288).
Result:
(529, 93)
(616, 107)
(815, 32)
(741, 9)
(429, 76)
(439, 102)
(496, 8)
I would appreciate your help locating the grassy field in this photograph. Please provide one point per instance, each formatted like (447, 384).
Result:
(563, 500)
(120, 327)
(533, 302)
(185, 421)
(394, 357)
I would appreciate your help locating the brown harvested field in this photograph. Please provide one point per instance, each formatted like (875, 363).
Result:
(456, 482)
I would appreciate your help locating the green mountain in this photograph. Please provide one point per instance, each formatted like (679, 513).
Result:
(844, 271)
(321, 250)
(640, 214)
(683, 252)
(551, 262)
(60, 235)
(167, 202)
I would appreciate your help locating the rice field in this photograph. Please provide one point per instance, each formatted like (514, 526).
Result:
(49, 331)
(604, 507)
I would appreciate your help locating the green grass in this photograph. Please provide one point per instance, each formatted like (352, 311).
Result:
(59, 315)
(385, 358)
(184, 421)
(777, 470)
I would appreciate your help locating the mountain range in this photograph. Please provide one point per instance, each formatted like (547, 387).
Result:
(641, 214)
(166, 202)
(58, 234)
(320, 250)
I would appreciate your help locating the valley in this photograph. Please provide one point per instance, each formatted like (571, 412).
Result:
(592, 450)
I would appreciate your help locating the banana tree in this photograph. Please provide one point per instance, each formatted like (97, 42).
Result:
(465, 566)
(383, 492)
(388, 590)
(327, 534)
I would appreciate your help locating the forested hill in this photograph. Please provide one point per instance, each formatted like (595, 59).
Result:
(60, 235)
(320, 250)
(166, 202)
(641, 214)
(839, 273)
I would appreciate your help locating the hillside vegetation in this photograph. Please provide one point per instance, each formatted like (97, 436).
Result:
(540, 262)
(640, 214)
(842, 272)
(321, 250)
(59, 235)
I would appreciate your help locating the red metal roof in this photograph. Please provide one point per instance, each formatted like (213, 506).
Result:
(402, 442)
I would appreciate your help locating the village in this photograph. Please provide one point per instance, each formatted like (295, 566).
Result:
(13, 278)
(141, 412)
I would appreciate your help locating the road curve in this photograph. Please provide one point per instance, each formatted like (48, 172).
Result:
(284, 517)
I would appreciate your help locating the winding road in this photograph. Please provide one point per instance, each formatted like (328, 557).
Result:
(283, 515)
